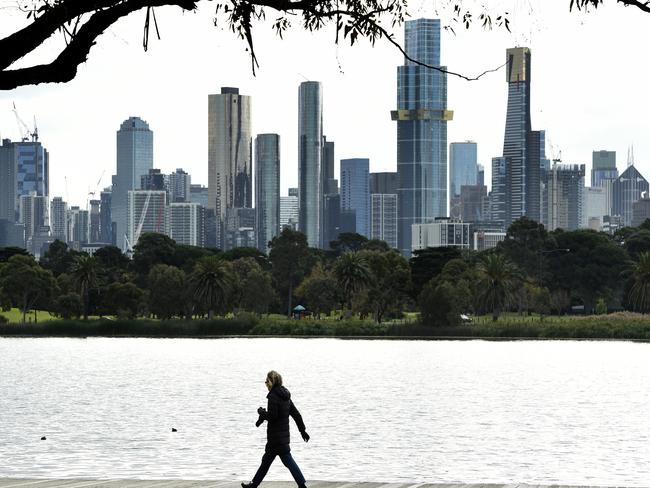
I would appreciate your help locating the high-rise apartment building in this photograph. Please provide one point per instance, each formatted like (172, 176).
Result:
(332, 215)
(58, 215)
(186, 223)
(33, 215)
(383, 220)
(77, 222)
(422, 118)
(565, 188)
(594, 207)
(199, 194)
(146, 213)
(230, 158)
(94, 229)
(32, 169)
(310, 156)
(628, 189)
(178, 186)
(267, 189)
(330, 183)
(8, 185)
(383, 182)
(154, 180)
(498, 199)
(603, 167)
(355, 193)
(239, 228)
(521, 146)
(463, 166)
(134, 159)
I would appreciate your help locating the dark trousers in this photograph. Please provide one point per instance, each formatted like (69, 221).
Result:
(286, 459)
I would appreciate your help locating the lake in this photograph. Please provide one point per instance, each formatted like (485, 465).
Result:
(546, 412)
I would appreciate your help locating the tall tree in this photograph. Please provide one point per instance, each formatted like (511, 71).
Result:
(498, 278)
(167, 291)
(390, 281)
(212, 280)
(26, 283)
(639, 294)
(428, 263)
(319, 290)
(152, 249)
(253, 290)
(291, 261)
(84, 273)
(353, 274)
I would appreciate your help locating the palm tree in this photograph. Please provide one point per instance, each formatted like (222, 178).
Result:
(84, 274)
(639, 294)
(212, 281)
(353, 274)
(497, 278)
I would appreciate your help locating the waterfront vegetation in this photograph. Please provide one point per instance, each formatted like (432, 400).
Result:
(526, 287)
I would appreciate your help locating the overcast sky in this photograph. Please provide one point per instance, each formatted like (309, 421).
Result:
(589, 89)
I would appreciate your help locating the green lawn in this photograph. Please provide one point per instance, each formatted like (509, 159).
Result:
(15, 316)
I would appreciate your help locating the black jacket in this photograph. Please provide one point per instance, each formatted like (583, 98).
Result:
(280, 407)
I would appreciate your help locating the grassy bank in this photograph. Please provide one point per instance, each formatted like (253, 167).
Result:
(614, 326)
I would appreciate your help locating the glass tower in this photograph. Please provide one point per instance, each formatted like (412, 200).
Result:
(603, 167)
(421, 117)
(267, 188)
(355, 194)
(134, 159)
(230, 180)
(310, 155)
(521, 148)
(463, 166)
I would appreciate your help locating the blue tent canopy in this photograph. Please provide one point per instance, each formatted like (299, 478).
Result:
(299, 308)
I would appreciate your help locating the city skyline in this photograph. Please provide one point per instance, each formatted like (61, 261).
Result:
(63, 111)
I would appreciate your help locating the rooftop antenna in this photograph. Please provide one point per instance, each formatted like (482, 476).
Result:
(630, 155)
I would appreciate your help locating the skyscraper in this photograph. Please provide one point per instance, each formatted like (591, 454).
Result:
(310, 155)
(603, 167)
(628, 189)
(178, 186)
(106, 226)
(33, 215)
(566, 183)
(134, 159)
(330, 183)
(421, 117)
(186, 223)
(463, 166)
(498, 200)
(267, 188)
(289, 211)
(94, 228)
(384, 182)
(7, 182)
(383, 207)
(521, 148)
(58, 212)
(355, 193)
(146, 213)
(230, 162)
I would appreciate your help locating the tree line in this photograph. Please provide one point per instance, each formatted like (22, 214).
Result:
(531, 271)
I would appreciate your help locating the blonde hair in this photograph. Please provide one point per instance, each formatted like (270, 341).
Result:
(274, 378)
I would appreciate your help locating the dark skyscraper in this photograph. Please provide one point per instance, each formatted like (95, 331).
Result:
(421, 117)
(310, 156)
(385, 182)
(603, 167)
(628, 189)
(267, 188)
(106, 226)
(521, 147)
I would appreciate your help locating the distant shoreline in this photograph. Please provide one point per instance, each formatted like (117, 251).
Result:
(623, 326)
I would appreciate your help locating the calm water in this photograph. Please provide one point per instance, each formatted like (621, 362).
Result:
(537, 412)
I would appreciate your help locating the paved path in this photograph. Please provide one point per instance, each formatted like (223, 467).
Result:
(90, 483)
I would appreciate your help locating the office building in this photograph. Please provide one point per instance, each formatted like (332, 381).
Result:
(565, 189)
(473, 203)
(442, 233)
(289, 212)
(58, 216)
(33, 214)
(77, 223)
(594, 207)
(463, 166)
(383, 220)
(134, 159)
(94, 229)
(330, 183)
(421, 118)
(310, 155)
(146, 213)
(521, 145)
(332, 215)
(603, 167)
(106, 224)
(355, 193)
(32, 169)
(186, 223)
(627, 189)
(384, 182)
(179, 186)
(230, 158)
(199, 194)
(480, 175)
(12, 234)
(239, 228)
(154, 180)
(641, 210)
(267, 189)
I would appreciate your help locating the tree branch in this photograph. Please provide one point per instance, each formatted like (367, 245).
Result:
(64, 67)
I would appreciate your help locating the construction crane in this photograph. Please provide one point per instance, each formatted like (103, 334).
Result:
(23, 129)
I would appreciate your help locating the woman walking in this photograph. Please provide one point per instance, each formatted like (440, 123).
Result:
(280, 407)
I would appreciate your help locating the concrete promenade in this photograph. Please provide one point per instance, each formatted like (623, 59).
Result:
(90, 483)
